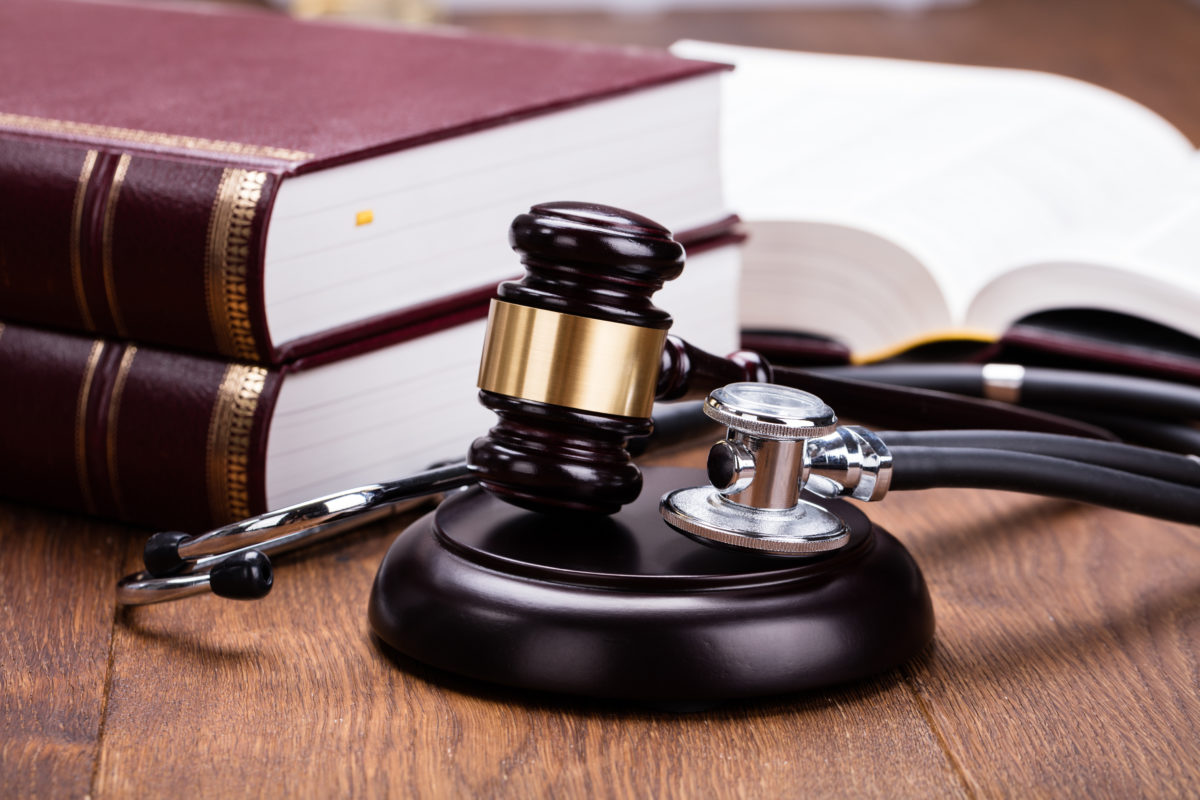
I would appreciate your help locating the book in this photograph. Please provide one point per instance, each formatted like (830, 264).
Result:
(237, 183)
(892, 203)
(188, 442)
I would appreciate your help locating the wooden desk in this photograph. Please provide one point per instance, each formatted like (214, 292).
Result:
(1067, 659)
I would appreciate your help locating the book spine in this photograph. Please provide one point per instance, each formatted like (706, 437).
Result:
(134, 245)
(133, 433)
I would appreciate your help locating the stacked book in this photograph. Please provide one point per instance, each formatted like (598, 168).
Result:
(245, 260)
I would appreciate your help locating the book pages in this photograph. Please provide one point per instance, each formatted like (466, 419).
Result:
(972, 170)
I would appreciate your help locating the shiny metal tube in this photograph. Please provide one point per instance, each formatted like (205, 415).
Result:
(288, 528)
(778, 472)
(142, 589)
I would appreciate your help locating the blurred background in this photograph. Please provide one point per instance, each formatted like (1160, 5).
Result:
(1146, 49)
(424, 8)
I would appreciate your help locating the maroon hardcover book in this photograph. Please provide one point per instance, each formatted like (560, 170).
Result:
(146, 435)
(142, 151)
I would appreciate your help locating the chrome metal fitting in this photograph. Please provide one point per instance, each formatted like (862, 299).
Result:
(850, 462)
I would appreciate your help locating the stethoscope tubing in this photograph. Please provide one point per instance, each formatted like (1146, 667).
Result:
(915, 468)
(1172, 435)
(1181, 469)
(1041, 387)
(1120, 476)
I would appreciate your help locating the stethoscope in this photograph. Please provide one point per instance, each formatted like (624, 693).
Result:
(780, 445)
(575, 356)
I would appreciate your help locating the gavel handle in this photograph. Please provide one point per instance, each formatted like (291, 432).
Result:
(687, 372)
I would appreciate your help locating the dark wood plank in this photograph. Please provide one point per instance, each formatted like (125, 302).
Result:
(57, 574)
(291, 696)
(1067, 659)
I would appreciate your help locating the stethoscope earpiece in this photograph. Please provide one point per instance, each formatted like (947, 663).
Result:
(245, 575)
(161, 553)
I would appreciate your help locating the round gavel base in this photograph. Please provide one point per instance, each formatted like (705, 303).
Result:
(625, 607)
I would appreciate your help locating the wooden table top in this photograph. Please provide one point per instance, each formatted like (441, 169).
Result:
(1066, 660)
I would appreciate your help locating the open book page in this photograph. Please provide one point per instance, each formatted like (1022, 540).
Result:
(1141, 258)
(1171, 241)
(972, 170)
(837, 281)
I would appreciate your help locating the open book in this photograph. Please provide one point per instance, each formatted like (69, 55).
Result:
(891, 202)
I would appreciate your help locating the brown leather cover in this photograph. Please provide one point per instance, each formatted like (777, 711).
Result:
(148, 436)
(121, 126)
(131, 433)
(144, 435)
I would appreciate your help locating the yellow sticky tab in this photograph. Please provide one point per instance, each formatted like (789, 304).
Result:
(364, 218)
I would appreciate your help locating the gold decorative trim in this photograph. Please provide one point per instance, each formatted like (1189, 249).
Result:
(22, 122)
(227, 260)
(110, 219)
(85, 390)
(566, 360)
(114, 409)
(229, 442)
(85, 177)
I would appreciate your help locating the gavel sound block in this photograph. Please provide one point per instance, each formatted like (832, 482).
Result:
(557, 572)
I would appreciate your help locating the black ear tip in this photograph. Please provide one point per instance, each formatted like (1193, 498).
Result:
(245, 576)
(161, 554)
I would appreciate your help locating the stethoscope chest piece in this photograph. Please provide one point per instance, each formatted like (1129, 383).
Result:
(703, 513)
(756, 475)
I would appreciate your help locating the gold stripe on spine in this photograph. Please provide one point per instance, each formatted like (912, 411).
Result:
(114, 410)
(22, 122)
(229, 442)
(85, 390)
(85, 177)
(227, 261)
(110, 219)
(566, 360)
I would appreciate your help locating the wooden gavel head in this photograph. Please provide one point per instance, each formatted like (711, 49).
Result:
(572, 357)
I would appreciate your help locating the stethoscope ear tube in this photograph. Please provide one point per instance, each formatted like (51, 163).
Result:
(232, 560)
(1078, 393)
(857, 393)
(1172, 435)
(1184, 470)
(1031, 473)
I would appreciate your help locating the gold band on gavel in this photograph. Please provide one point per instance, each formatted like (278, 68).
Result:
(566, 360)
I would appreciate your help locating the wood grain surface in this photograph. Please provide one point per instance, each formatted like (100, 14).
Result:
(57, 575)
(1066, 662)
(1067, 659)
